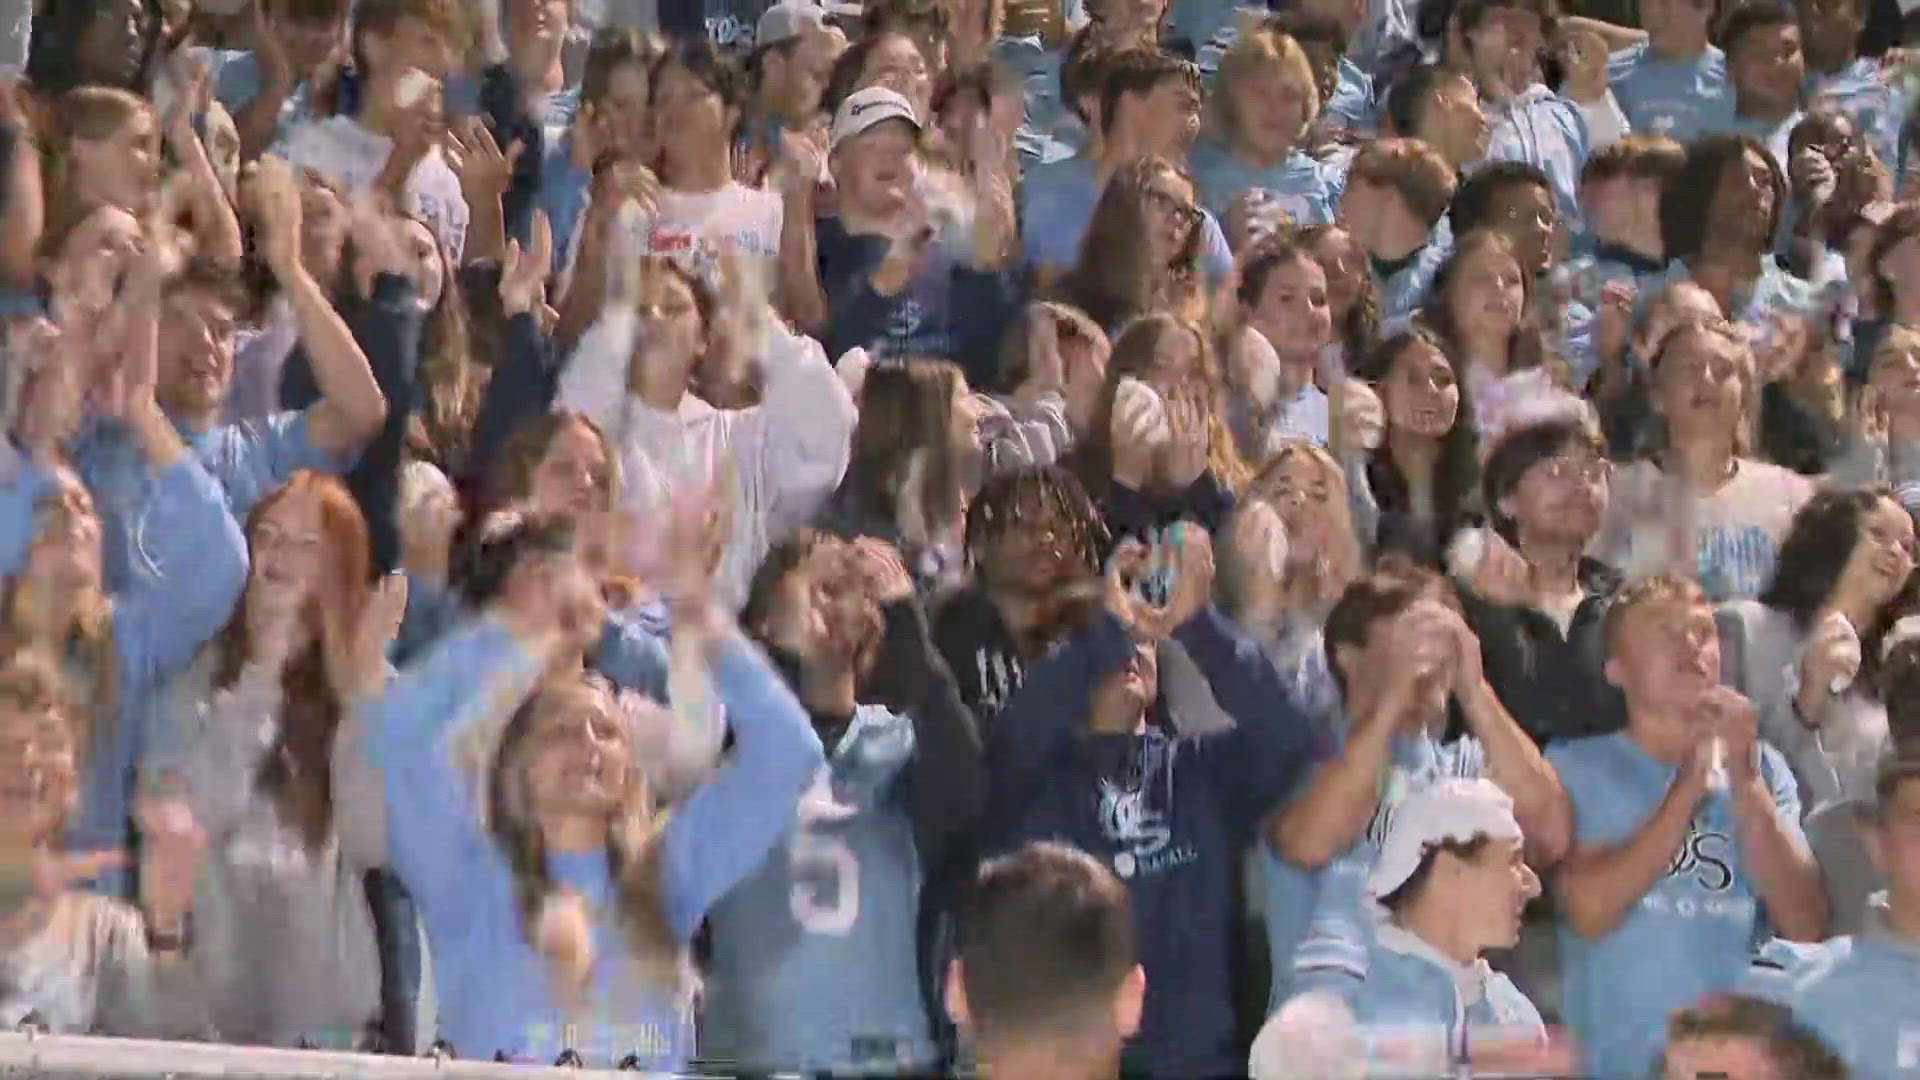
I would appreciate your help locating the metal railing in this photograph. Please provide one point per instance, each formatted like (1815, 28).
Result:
(60, 1057)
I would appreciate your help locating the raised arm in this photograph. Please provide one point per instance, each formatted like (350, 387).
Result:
(805, 422)
(351, 405)
(216, 228)
(1766, 811)
(1598, 883)
(1513, 760)
(726, 827)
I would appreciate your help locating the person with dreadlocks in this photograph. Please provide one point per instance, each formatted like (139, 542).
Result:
(1032, 537)
(559, 893)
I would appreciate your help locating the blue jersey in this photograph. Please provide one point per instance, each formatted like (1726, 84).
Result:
(1297, 186)
(1863, 998)
(1701, 917)
(1683, 99)
(814, 960)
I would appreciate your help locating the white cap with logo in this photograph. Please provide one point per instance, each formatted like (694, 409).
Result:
(1456, 810)
(864, 108)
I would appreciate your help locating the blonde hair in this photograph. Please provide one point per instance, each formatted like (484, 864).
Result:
(1341, 546)
(1259, 49)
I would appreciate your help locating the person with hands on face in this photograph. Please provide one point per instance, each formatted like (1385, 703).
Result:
(404, 49)
(82, 963)
(1685, 823)
(1084, 751)
(272, 87)
(1807, 652)
(559, 900)
(1403, 659)
(1501, 43)
(256, 750)
(1158, 452)
(890, 281)
(814, 955)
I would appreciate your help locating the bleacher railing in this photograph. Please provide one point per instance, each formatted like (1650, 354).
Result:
(60, 1057)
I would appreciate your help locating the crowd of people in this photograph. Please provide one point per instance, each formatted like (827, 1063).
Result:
(1043, 538)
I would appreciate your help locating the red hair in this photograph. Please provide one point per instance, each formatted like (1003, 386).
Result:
(297, 769)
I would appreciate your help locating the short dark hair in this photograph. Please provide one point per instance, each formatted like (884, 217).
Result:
(1520, 450)
(1409, 890)
(1045, 939)
(1641, 157)
(481, 570)
(1140, 71)
(1899, 766)
(1395, 585)
(1899, 685)
(1415, 170)
(1083, 70)
(1310, 30)
(1409, 99)
(381, 16)
(1473, 202)
(1794, 1048)
(1259, 265)
(1752, 17)
(703, 60)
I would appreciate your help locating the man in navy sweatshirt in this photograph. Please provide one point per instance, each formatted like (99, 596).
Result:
(1084, 753)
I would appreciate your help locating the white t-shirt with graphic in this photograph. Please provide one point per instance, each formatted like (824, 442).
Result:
(1737, 529)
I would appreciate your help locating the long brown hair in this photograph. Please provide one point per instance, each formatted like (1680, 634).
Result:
(1114, 279)
(524, 452)
(906, 408)
(633, 842)
(1526, 347)
(297, 769)
(1133, 355)
(92, 113)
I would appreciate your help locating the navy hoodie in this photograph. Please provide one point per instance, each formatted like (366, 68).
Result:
(1171, 815)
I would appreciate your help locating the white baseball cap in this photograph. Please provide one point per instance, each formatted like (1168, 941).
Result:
(864, 108)
(1456, 810)
(787, 20)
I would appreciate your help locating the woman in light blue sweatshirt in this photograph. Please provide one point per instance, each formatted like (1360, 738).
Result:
(1266, 102)
(120, 649)
(559, 921)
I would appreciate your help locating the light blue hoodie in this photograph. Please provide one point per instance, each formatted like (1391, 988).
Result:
(194, 563)
(492, 984)
(1865, 1000)
(1701, 919)
(1413, 990)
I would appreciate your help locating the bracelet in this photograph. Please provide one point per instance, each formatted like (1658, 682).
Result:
(159, 942)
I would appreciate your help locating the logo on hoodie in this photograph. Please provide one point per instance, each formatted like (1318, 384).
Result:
(1707, 857)
(1140, 832)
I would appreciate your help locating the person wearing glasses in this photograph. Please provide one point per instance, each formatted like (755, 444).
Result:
(1533, 596)
(1808, 651)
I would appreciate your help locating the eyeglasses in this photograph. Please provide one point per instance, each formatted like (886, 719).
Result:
(1586, 469)
(1185, 214)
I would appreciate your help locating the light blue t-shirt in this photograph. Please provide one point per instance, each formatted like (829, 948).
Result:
(1297, 185)
(1049, 130)
(814, 962)
(1056, 206)
(1863, 998)
(1414, 991)
(1702, 918)
(1684, 99)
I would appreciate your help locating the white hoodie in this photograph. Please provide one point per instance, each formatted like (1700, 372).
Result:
(789, 452)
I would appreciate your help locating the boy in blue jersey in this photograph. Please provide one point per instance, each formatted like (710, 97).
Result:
(1087, 752)
(814, 964)
(1762, 40)
(1863, 997)
(1396, 191)
(1047, 983)
(1685, 825)
(1451, 882)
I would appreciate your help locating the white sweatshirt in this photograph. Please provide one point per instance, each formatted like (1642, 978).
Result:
(788, 453)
